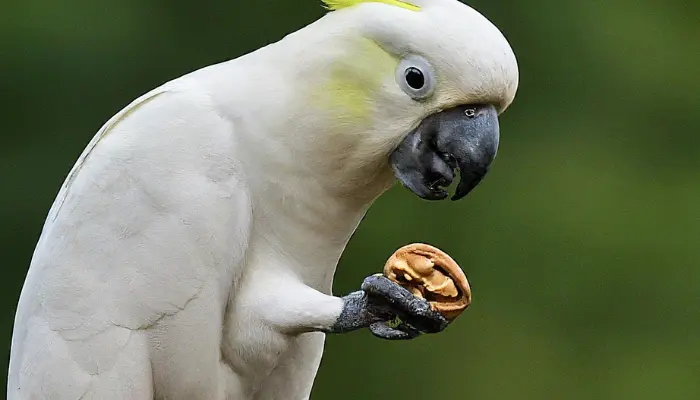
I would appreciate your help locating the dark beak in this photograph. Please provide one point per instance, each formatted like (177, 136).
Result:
(463, 138)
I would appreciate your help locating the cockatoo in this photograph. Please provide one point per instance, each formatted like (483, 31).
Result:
(190, 252)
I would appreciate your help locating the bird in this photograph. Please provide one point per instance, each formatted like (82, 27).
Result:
(190, 251)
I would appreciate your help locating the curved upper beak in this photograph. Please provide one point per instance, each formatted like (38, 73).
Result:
(463, 137)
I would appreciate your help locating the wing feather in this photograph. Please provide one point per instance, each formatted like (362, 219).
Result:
(153, 209)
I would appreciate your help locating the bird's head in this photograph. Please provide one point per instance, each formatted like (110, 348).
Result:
(412, 86)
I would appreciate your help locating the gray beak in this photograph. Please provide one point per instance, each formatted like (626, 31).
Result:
(463, 138)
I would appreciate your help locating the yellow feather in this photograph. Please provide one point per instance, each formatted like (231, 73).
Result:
(340, 4)
(350, 88)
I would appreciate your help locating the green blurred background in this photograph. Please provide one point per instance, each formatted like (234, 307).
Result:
(581, 245)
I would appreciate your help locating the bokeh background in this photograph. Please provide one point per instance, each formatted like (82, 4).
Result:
(581, 245)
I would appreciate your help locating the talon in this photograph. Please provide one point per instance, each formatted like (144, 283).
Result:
(401, 332)
(390, 311)
(415, 311)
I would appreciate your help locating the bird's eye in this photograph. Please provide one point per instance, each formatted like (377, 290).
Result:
(415, 77)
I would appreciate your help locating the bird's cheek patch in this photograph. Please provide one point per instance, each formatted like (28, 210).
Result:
(349, 89)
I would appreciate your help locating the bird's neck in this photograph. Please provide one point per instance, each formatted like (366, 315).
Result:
(312, 175)
(307, 207)
(308, 236)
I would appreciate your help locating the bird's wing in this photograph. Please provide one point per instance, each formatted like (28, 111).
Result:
(154, 209)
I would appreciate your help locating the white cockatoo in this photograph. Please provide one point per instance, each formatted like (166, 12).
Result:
(190, 252)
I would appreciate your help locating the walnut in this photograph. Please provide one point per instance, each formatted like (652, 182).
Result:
(430, 273)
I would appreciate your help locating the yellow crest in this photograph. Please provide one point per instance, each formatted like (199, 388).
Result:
(340, 4)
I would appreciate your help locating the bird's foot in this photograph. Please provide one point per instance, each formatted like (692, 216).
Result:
(390, 311)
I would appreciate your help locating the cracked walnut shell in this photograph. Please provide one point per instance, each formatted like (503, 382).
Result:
(430, 273)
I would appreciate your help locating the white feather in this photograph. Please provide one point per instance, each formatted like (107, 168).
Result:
(190, 253)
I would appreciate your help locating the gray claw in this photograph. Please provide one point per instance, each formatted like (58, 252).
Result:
(416, 312)
(382, 301)
(401, 332)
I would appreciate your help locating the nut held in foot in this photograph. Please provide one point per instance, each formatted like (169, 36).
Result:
(430, 273)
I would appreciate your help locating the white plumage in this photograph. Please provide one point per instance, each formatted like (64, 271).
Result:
(190, 253)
